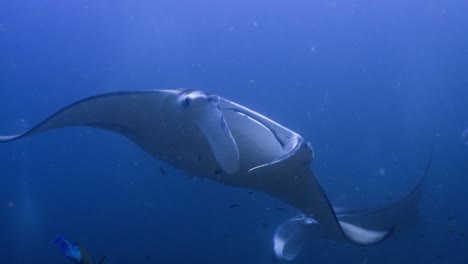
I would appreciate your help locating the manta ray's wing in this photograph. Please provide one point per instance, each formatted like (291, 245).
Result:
(399, 215)
(194, 139)
(119, 112)
(290, 236)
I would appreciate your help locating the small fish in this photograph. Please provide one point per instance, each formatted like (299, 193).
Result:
(250, 193)
(439, 257)
(233, 205)
(265, 225)
(163, 171)
(280, 209)
(461, 234)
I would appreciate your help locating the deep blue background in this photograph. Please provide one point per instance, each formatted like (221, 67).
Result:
(372, 84)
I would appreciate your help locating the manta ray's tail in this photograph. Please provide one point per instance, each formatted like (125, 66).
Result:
(361, 226)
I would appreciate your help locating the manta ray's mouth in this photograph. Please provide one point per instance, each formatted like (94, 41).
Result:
(260, 144)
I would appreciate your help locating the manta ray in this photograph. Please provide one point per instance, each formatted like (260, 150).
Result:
(211, 137)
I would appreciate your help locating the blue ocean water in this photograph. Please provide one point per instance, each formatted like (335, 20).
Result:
(373, 85)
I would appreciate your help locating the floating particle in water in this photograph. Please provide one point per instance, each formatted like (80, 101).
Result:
(11, 204)
(22, 124)
(464, 136)
(382, 171)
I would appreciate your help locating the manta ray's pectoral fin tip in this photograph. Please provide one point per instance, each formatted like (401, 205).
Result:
(8, 138)
(361, 236)
(290, 236)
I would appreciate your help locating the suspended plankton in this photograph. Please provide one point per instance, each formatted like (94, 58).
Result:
(464, 136)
